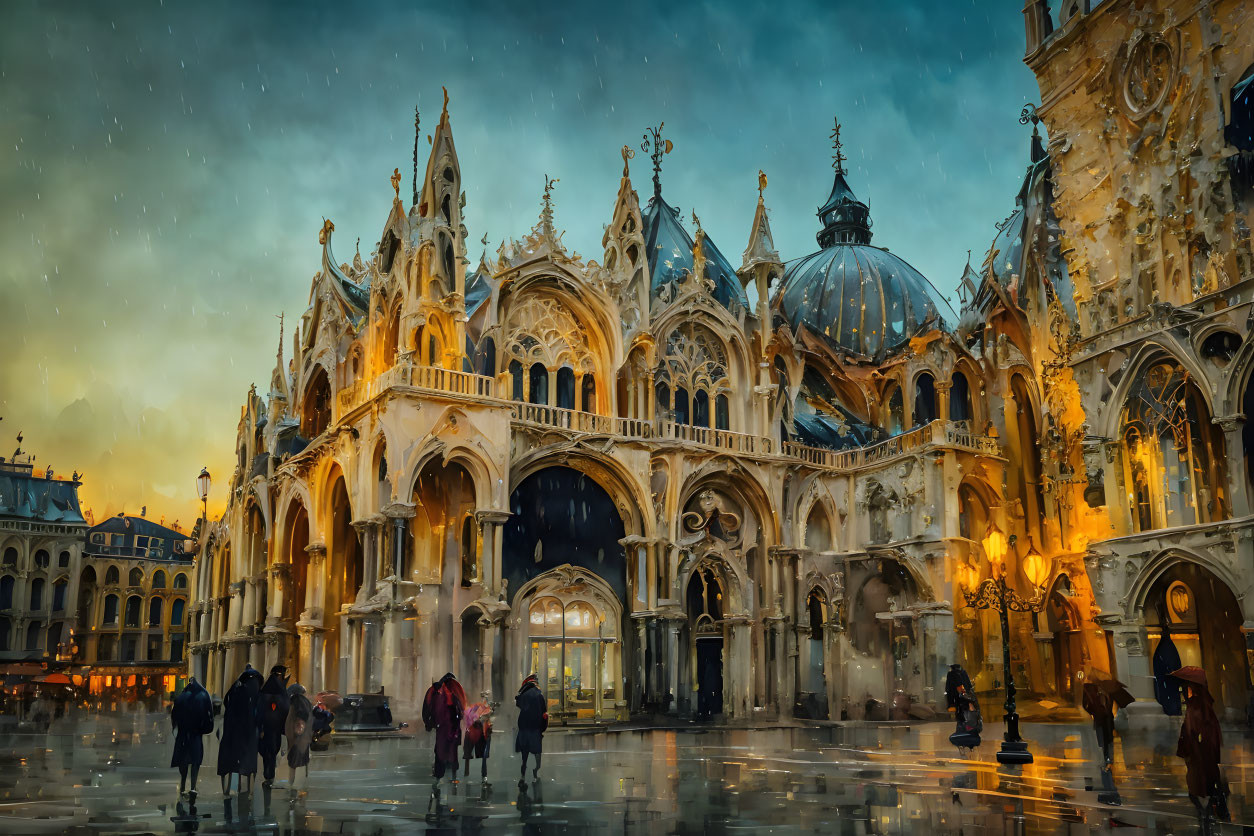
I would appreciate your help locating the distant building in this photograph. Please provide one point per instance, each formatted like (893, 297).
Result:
(41, 542)
(132, 607)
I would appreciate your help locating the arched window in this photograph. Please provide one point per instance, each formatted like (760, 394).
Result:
(37, 594)
(816, 609)
(588, 401)
(63, 559)
(694, 366)
(6, 592)
(42, 559)
(566, 387)
(132, 611)
(34, 636)
(722, 420)
(972, 514)
(539, 382)
(111, 610)
(58, 596)
(10, 556)
(1173, 453)
(180, 581)
(176, 612)
(663, 397)
(158, 580)
(136, 578)
(155, 608)
(315, 414)
(960, 398)
(896, 419)
(112, 576)
(516, 374)
(924, 399)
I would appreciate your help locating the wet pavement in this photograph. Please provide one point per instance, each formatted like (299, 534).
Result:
(109, 774)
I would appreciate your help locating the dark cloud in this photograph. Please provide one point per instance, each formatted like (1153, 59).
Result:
(168, 165)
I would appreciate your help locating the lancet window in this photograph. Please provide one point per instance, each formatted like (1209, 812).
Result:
(1173, 455)
(548, 356)
(692, 381)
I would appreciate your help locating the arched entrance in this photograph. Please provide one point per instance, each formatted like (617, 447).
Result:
(811, 661)
(343, 579)
(705, 624)
(573, 647)
(1204, 621)
(1066, 648)
(444, 500)
(561, 551)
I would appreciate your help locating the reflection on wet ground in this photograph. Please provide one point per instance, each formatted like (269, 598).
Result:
(109, 774)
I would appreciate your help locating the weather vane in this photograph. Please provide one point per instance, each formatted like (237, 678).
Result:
(761, 182)
(656, 146)
(838, 158)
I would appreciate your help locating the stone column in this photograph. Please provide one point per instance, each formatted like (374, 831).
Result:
(314, 582)
(1238, 499)
(368, 536)
(674, 653)
(939, 644)
(397, 514)
(490, 523)
(737, 655)
(942, 400)
(1132, 666)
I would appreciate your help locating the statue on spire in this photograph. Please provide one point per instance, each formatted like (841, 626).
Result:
(838, 157)
(656, 146)
(761, 184)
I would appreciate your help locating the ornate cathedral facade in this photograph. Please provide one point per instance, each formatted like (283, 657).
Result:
(669, 483)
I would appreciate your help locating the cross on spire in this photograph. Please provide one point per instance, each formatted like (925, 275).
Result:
(838, 158)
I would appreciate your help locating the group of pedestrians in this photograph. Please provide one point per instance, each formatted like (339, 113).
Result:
(257, 717)
(469, 728)
(1200, 744)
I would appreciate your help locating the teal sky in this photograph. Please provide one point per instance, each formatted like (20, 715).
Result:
(166, 168)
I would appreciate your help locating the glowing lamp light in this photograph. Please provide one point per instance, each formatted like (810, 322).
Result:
(1036, 567)
(202, 484)
(966, 575)
(995, 544)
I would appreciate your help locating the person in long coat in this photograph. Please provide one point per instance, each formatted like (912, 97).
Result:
(442, 710)
(960, 695)
(192, 719)
(272, 721)
(237, 752)
(300, 728)
(1200, 745)
(533, 720)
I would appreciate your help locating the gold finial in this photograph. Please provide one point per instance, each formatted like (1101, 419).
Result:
(396, 182)
(838, 158)
(327, 229)
(628, 154)
(761, 182)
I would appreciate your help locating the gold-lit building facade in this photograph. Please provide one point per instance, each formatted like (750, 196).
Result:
(1149, 118)
(667, 483)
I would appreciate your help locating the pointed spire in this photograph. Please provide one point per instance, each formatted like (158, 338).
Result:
(546, 206)
(845, 219)
(761, 248)
(417, 134)
(656, 146)
(968, 285)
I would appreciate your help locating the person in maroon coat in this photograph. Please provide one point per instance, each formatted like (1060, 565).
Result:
(442, 710)
(1201, 742)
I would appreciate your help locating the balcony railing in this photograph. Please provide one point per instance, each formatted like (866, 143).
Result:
(936, 432)
(429, 378)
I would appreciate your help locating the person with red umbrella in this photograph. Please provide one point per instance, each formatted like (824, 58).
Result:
(1201, 742)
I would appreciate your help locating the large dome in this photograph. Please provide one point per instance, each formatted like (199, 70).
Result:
(855, 296)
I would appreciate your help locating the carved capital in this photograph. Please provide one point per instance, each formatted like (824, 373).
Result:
(317, 553)
(399, 510)
(491, 517)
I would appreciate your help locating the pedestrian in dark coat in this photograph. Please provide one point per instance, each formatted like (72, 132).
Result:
(300, 729)
(237, 752)
(192, 718)
(1166, 660)
(960, 695)
(1100, 701)
(533, 720)
(1201, 743)
(442, 710)
(272, 720)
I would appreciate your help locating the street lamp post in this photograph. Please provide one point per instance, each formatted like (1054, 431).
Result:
(202, 487)
(995, 594)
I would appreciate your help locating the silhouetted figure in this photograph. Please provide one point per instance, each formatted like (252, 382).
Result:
(1101, 699)
(237, 752)
(192, 718)
(1166, 660)
(533, 720)
(300, 730)
(272, 709)
(442, 710)
(960, 696)
(1201, 743)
